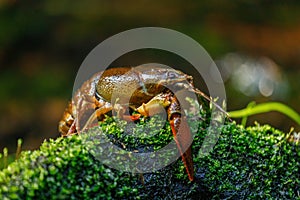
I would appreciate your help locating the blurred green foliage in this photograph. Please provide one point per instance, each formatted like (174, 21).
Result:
(42, 45)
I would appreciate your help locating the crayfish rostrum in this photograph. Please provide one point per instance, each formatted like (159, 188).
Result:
(147, 90)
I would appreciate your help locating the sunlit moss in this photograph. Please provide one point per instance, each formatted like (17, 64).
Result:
(257, 162)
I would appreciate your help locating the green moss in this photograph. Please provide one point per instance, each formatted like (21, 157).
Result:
(62, 168)
(257, 162)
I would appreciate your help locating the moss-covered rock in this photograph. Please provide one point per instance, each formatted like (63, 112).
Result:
(251, 163)
(62, 169)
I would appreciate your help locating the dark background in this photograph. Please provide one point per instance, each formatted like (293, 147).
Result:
(256, 45)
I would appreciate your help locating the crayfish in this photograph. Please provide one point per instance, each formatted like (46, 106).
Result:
(147, 91)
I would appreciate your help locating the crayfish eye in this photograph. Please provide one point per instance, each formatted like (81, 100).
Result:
(189, 79)
(172, 75)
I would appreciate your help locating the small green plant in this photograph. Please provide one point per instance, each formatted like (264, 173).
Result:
(10, 158)
(253, 109)
(5, 155)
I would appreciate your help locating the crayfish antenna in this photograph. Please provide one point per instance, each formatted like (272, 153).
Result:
(197, 91)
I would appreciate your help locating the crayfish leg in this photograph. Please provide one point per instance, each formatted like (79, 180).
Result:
(72, 130)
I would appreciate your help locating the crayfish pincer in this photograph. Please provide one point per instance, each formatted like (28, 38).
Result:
(150, 91)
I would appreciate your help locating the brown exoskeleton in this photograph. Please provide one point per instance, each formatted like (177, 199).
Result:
(150, 91)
